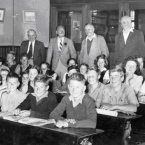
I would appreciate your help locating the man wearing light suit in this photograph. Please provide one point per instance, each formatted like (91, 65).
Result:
(34, 48)
(92, 46)
(59, 51)
(129, 42)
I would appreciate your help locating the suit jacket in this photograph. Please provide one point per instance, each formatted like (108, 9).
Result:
(39, 51)
(53, 54)
(98, 47)
(134, 46)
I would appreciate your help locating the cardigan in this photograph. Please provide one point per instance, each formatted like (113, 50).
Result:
(40, 109)
(84, 114)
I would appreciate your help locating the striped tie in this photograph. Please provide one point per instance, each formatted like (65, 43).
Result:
(60, 44)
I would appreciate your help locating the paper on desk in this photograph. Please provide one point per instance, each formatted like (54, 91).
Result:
(107, 112)
(36, 121)
(2, 114)
(12, 117)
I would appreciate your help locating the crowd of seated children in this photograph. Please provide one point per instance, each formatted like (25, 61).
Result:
(101, 64)
(133, 76)
(12, 97)
(64, 88)
(95, 87)
(24, 65)
(79, 107)
(70, 62)
(117, 95)
(2, 66)
(10, 62)
(84, 69)
(40, 103)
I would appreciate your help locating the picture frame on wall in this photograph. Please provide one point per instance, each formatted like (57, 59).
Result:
(29, 16)
(2, 14)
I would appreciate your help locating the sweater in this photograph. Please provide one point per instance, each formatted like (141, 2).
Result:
(40, 109)
(84, 114)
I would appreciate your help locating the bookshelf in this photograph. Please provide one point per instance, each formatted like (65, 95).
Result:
(106, 23)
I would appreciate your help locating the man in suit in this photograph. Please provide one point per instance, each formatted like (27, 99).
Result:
(129, 42)
(92, 46)
(34, 48)
(59, 51)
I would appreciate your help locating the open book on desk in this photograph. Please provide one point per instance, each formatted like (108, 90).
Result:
(36, 121)
(107, 112)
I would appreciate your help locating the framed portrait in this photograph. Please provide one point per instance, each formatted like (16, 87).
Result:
(2, 14)
(29, 16)
(76, 25)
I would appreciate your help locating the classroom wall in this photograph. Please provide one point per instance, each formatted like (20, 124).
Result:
(18, 27)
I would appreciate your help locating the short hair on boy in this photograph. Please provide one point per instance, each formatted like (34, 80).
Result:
(13, 75)
(12, 52)
(117, 69)
(35, 67)
(84, 64)
(47, 64)
(78, 77)
(73, 67)
(73, 60)
(24, 55)
(43, 79)
(4, 69)
(94, 69)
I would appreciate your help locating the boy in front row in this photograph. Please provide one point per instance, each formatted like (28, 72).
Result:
(80, 108)
(40, 103)
(12, 97)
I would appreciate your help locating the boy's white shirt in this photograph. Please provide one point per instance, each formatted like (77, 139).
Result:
(9, 102)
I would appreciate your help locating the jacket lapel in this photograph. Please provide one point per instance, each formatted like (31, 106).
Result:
(129, 37)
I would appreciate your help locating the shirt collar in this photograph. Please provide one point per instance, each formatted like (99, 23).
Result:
(79, 101)
(90, 38)
(61, 38)
(131, 30)
(43, 96)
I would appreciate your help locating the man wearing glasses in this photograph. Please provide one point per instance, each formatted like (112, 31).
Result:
(34, 48)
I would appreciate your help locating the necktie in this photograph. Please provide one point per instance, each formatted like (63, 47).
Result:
(30, 51)
(60, 44)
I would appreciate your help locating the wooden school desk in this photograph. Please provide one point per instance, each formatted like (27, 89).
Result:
(14, 133)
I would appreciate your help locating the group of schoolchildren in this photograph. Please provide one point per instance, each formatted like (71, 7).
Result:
(27, 90)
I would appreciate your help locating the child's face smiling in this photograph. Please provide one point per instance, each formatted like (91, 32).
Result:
(76, 88)
(12, 84)
(32, 74)
(25, 78)
(40, 88)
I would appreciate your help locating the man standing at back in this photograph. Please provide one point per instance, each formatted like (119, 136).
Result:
(92, 46)
(59, 51)
(34, 48)
(129, 42)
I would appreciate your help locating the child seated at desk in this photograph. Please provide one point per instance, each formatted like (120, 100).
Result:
(119, 96)
(40, 103)
(12, 97)
(80, 108)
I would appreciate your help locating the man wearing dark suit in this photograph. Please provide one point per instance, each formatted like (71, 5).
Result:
(129, 42)
(34, 48)
(59, 51)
